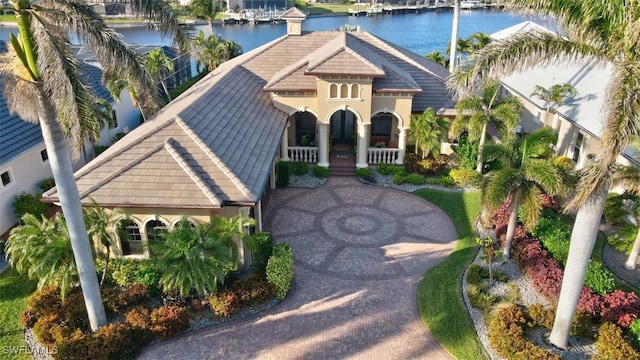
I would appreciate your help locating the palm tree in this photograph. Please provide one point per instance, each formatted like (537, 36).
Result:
(528, 171)
(231, 233)
(191, 258)
(603, 32)
(204, 9)
(428, 130)
(629, 178)
(476, 112)
(42, 84)
(556, 94)
(478, 40)
(463, 48)
(454, 35)
(211, 51)
(437, 57)
(41, 249)
(100, 227)
(159, 65)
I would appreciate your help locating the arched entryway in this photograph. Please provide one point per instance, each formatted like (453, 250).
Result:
(343, 128)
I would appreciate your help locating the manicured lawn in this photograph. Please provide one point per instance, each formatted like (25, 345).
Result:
(321, 9)
(440, 293)
(14, 290)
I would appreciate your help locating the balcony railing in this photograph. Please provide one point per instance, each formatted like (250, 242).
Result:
(382, 155)
(303, 153)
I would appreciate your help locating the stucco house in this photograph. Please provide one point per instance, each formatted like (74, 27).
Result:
(579, 120)
(212, 151)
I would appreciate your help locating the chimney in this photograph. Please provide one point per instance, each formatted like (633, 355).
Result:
(294, 18)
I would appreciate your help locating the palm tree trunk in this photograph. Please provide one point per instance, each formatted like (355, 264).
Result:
(454, 35)
(60, 161)
(583, 238)
(483, 139)
(633, 257)
(511, 227)
(166, 89)
(211, 26)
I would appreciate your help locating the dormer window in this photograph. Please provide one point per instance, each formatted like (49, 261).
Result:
(344, 91)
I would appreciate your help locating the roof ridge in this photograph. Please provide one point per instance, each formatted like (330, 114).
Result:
(374, 56)
(214, 158)
(170, 145)
(119, 171)
(284, 73)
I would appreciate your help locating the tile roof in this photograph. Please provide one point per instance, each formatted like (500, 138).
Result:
(214, 145)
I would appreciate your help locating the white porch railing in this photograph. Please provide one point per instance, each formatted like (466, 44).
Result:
(382, 155)
(303, 153)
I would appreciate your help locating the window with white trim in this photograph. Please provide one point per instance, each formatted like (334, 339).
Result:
(577, 147)
(44, 156)
(130, 238)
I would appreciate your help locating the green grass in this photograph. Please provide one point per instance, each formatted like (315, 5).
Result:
(598, 248)
(324, 9)
(14, 290)
(440, 293)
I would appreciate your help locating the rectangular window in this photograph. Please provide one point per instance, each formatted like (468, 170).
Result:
(43, 155)
(6, 178)
(114, 120)
(577, 147)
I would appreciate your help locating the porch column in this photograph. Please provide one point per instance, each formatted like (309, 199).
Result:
(323, 145)
(402, 146)
(363, 147)
(272, 177)
(284, 144)
(258, 213)
(244, 255)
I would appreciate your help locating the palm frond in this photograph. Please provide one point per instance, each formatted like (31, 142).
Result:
(499, 186)
(628, 177)
(531, 203)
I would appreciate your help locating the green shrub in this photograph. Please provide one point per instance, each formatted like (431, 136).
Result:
(614, 210)
(282, 179)
(599, 278)
(415, 179)
(363, 172)
(99, 149)
(264, 240)
(564, 162)
(479, 299)
(624, 238)
(117, 137)
(299, 168)
(29, 204)
(634, 330)
(446, 181)
(386, 169)
(46, 184)
(475, 274)
(433, 181)
(399, 179)
(467, 151)
(554, 235)
(280, 269)
(612, 344)
(466, 177)
(321, 172)
(224, 303)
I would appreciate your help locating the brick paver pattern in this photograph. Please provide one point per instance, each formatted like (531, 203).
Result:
(359, 254)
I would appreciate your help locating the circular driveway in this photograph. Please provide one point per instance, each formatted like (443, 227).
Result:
(359, 254)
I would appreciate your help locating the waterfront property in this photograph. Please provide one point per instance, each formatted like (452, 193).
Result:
(212, 151)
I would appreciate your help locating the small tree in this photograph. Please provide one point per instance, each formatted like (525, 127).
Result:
(159, 65)
(100, 226)
(489, 254)
(428, 130)
(556, 94)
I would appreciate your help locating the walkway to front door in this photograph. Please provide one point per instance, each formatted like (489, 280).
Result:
(359, 252)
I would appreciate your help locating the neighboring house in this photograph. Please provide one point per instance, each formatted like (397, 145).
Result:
(212, 151)
(23, 158)
(579, 120)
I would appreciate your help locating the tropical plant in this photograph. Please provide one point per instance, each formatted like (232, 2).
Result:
(191, 258)
(41, 249)
(211, 51)
(629, 178)
(438, 57)
(476, 112)
(231, 232)
(42, 84)
(160, 66)
(464, 47)
(428, 130)
(478, 40)
(101, 224)
(556, 94)
(528, 172)
(604, 32)
(205, 10)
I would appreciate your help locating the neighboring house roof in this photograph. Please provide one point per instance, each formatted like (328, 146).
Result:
(214, 145)
(17, 135)
(525, 26)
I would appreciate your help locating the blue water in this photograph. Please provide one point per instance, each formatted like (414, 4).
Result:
(420, 33)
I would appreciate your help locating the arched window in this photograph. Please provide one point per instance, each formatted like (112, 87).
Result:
(344, 91)
(155, 229)
(355, 91)
(130, 238)
(333, 91)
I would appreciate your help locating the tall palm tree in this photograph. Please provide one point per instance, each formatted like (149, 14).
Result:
(477, 112)
(601, 31)
(191, 258)
(211, 51)
(556, 94)
(454, 35)
(160, 66)
(100, 227)
(464, 47)
(42, 85)
(428, 130)
(478, 40)
(204, 9)
(438, 57)
(41, 249)
(629, 178)
(527, 172)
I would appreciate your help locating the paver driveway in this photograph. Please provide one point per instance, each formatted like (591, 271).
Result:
(360, 252)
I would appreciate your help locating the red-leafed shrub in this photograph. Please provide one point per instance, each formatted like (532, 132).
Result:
(224, 303)
(167, 321)
(620, 307)
(589, 302)
(549, 202)
(138, 317)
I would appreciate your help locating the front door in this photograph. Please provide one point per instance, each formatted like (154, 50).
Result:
(343, 127)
